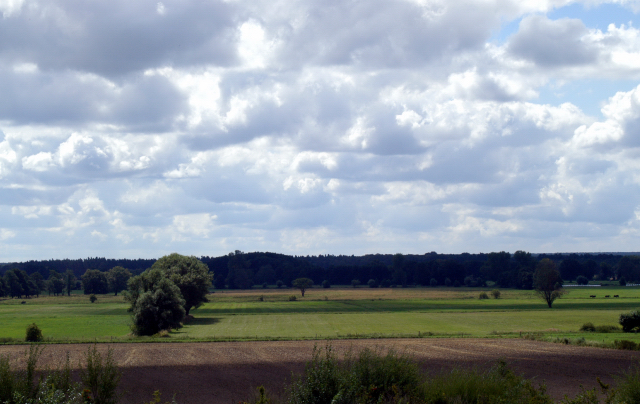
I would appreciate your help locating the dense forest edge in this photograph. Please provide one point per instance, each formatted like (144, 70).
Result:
(239, 270)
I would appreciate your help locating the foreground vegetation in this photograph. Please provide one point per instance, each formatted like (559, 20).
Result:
(378, 377)
(98, 382)
(364, 377)
(263, 314)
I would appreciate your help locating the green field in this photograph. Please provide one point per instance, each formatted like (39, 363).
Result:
(334, 313)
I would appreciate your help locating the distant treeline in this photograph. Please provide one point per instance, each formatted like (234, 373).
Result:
(78, 266)
(239, 270)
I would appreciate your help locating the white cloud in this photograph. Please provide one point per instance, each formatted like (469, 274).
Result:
(302, 127)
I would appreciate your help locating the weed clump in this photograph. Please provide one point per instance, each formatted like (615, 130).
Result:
(483, 295)
(625, 344)
(293, 298)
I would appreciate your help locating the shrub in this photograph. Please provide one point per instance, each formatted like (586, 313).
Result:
(497, 385)
(483, 295)
(264, 285)
(607, 328)
(293, 298)
(326, 284)
(321, 380)
(630, 321)
(261, 298)
(588, 327)
(625, 344)
(355, 283)
(582, 280)
(456, 284)
(628, 386)
(93, 298)
(279, 284)
(433, 282)
(447, 282)
(369, 377)
(372, 283)
(386, 283)
(52, 387)
(33, 334)
(495, 293)
(101, 376)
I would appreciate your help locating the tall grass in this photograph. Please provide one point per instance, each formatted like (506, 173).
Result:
(100, 379)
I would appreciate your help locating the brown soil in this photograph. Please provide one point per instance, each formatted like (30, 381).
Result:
(226, 372)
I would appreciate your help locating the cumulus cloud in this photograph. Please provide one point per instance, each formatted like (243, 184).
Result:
(341, 127)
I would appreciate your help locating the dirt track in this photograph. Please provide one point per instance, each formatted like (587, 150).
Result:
(228, 372)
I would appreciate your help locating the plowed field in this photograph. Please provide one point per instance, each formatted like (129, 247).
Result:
(229, 372)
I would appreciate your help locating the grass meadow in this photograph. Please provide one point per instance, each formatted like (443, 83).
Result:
(263, 314)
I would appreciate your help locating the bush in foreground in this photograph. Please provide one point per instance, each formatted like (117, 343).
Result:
(372, 377)
(100, 378)
(368, 377)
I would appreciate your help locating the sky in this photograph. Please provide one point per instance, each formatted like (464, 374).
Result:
(134, 129)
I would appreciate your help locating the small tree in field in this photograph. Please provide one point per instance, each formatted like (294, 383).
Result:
(547, 281)
(33, 334)
(355, 283)
(302, 284)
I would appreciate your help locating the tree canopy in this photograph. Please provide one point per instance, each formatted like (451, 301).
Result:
(190, 275)
(95, 282)
(117, 278)
(158, 304)
(547, 281)
(302, 284)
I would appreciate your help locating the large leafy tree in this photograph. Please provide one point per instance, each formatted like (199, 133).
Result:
(55, 284)
(117, 278)
(12, 282)
(158, 303)
(95, 282)
(190, 275)
(38, 281)
(547, 281)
